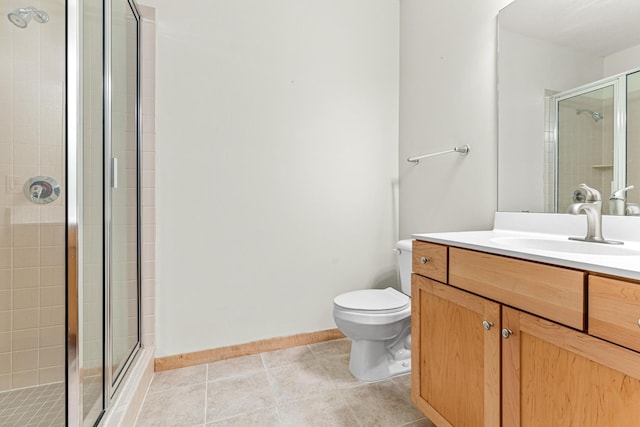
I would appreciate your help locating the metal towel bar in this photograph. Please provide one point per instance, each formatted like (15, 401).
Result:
(464, 150)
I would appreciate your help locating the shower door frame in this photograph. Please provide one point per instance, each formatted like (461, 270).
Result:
(73, 125)
(74, 163)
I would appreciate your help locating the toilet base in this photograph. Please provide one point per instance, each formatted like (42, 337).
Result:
(372, 361)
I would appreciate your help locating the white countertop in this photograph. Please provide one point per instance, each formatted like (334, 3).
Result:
(556, 228)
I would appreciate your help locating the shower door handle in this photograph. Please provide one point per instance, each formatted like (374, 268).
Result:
(114, 172)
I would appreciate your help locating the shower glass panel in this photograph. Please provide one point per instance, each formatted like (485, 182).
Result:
(91, 299)
(32, 213)
(633, 136)
(585, 145)
(124, 250)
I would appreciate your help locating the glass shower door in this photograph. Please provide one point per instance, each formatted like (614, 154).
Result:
(91, 286)
(124, 274)
(108, 241)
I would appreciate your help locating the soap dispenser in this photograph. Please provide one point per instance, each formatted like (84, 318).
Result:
(617, 201)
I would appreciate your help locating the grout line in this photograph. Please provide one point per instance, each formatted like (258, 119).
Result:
(206, 390)
(277, 408)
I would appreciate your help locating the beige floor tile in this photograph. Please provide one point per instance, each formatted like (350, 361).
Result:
(337, 368)
(404, 382)
(233, 396)
(331, 348)
(167, 380)
(235, 367)
(301, 386)
(381, 404)
(287, 356)
(177, 407)
(300, 380)
(326, 410)
(265, 418)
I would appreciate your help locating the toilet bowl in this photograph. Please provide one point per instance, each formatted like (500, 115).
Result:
(378, 321)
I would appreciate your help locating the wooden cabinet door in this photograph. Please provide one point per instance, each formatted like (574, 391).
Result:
(455, 360)
(555, 376)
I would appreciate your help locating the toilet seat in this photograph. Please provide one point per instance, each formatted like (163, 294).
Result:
(372, 306)
(372, 301)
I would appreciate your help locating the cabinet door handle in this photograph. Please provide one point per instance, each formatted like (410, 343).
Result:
(424, 260)
(506, 333)
(487, 325)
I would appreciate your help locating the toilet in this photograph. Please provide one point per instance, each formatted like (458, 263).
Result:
(378, 321)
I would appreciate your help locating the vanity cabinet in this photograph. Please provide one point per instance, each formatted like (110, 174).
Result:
(430, 260)
(552, 292)
(556, 376)
(455, 360)
(614, 311)
(505, 341)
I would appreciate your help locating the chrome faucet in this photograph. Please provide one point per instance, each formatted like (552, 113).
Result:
(592, 207)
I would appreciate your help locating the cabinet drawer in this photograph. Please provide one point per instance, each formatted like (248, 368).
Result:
(430, 260)
(555, 293)
(614, 311)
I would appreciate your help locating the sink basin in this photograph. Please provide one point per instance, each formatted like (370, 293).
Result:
(566, 246)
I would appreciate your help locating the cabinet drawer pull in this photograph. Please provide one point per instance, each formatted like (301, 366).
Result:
(639, 323)
(487, 325)
(424, 260)
(506, 333)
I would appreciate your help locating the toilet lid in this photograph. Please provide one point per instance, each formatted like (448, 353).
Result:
(372, 300)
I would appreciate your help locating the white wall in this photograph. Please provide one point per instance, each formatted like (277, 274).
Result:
(277, 148)
(622, 61)
(528, 67)
(448, 98)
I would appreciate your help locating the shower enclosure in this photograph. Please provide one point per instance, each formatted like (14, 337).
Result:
(69, 208)
(597, 140)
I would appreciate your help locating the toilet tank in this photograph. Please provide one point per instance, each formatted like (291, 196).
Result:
(403, 249)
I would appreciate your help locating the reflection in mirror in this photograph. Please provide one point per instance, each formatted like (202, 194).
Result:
(633, 141)
(584, 145)
(548, 48)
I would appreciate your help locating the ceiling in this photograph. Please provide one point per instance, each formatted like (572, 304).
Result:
(600, 27)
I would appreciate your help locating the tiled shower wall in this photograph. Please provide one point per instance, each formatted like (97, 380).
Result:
(148, 174)
(32, 277)
(586, 149)
(549, 162)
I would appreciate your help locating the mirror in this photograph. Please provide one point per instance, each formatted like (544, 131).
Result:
(557, 60)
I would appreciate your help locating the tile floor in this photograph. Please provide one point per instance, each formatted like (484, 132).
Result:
(305, 386)
(34, 406)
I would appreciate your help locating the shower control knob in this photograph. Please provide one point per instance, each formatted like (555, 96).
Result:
(487, 325)
(506, 333)
(41, 190)
(424, 260)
